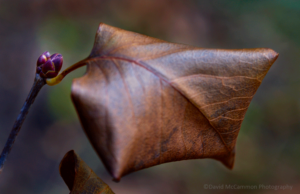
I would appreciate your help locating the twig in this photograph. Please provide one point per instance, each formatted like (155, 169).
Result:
(39, 82)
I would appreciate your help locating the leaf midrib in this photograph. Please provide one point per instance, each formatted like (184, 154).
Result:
(156, 73)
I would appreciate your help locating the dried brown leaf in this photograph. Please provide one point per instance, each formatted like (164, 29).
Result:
(144, 101)
(79, 177)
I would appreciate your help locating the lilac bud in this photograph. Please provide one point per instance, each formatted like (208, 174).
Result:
(57, 59)
(49, 66)
(43, 58)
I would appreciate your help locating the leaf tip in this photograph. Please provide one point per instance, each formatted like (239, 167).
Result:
(67, 168)
(115, 173)
(271, 55)
(228, 160)
(100, 27)
(116, 179)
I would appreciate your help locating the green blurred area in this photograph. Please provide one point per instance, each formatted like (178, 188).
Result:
(268, 144)
(76, 42)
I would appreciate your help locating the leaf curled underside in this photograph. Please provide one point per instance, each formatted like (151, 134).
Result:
(144, 101)
(79, 177)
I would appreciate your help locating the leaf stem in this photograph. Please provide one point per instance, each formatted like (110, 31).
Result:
(39, 82)
(60, 77)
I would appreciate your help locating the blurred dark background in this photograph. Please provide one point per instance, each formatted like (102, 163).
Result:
(268, 145)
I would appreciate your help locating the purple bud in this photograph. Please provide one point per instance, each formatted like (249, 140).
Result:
(49, 66)
(57, 63)
(43, 58)
(55, 55)
(47, 54)
(51, 74)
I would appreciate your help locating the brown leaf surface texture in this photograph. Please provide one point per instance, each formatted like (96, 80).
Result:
(144, 101)
(79, 177)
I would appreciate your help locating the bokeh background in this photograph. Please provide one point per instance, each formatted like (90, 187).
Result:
(268, 145)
